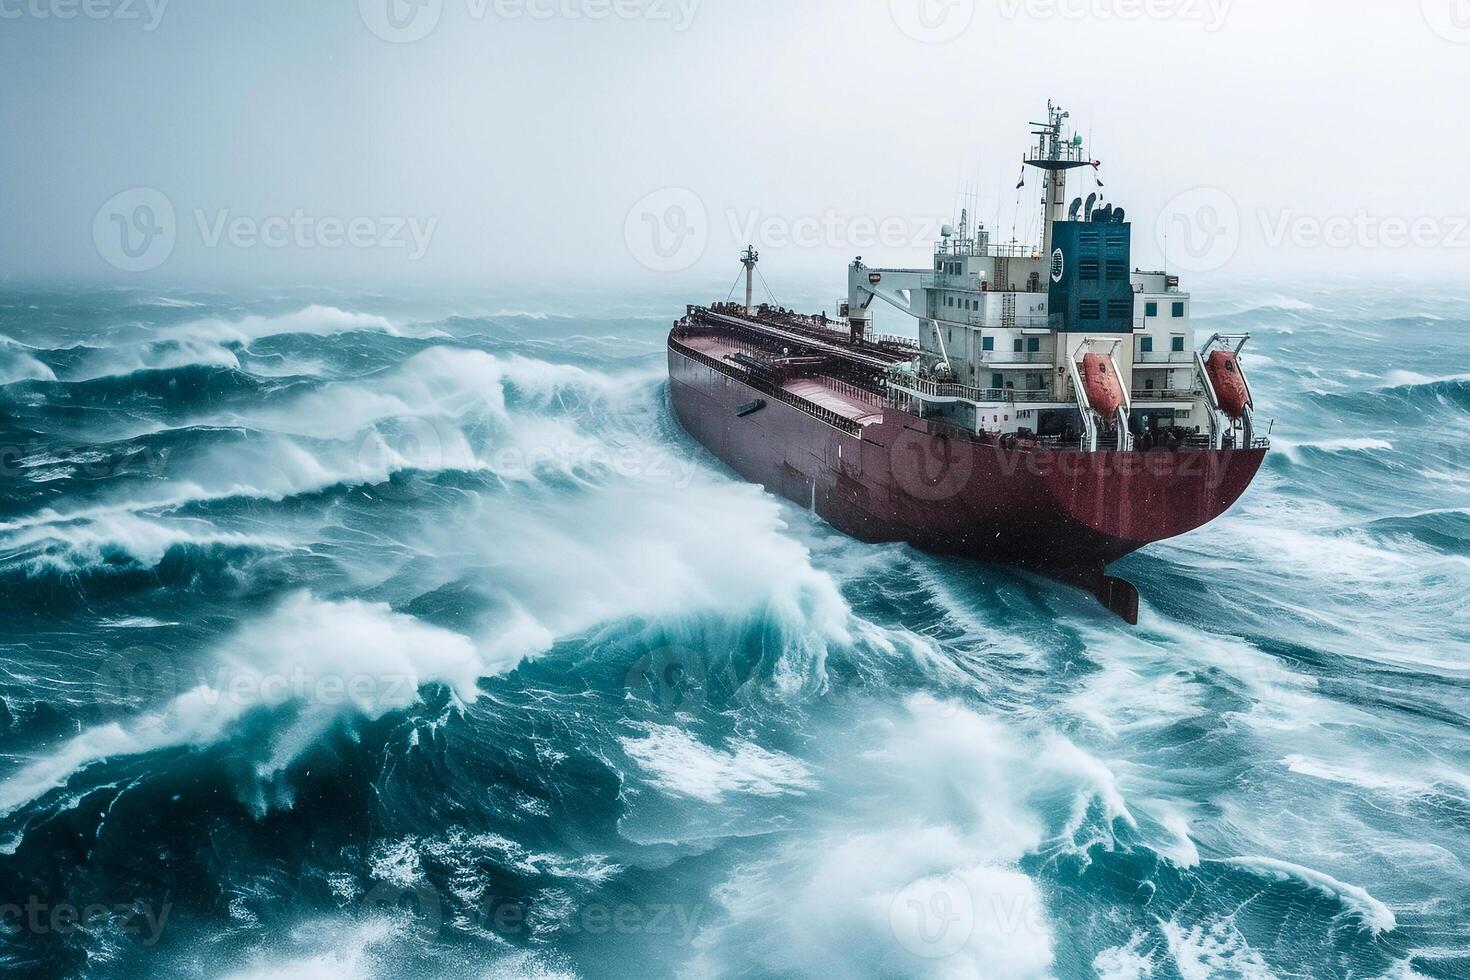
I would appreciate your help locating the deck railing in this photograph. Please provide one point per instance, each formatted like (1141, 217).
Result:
(766, 387)
(1166, 394)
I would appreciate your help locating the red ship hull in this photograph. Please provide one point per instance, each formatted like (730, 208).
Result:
(1064, 513)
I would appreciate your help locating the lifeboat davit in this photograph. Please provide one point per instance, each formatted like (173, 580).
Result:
(1103, 387)
(1231, 392)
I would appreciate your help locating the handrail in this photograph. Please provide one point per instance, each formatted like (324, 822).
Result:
(1181, 358)
(948, 389)
(1166, 394)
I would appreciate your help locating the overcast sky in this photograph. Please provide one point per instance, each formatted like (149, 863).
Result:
(469, 141)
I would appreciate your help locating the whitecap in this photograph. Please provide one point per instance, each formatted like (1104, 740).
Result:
(331, 658)
(1214, 949)
(1127, 962)
(680, 765)
(1373, 913)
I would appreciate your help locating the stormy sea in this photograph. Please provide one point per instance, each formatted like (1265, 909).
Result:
(374, 634)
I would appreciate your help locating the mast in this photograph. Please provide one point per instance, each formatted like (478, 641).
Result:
(749, 259)
(1055, 154)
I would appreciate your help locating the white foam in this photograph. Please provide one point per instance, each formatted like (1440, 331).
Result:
(1280, 302)
(443, 383)
(71, 546)
(1373, 913)
(1127, 962)
(645, 549)
(1413, 379)
(933, 887)
(352, 949)
(184, 352)
(1396, 784)
(168, 302)
(318, 321)
(679, 764)
(331, 657)
(208, 342)
(277, 468)
(1216, 949)
(1292, 448)
(16, 365)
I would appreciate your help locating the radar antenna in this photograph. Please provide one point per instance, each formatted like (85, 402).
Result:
(1055, 154)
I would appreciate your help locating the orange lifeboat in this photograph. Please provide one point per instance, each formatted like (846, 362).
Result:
(1101, 384)
(1231, 392)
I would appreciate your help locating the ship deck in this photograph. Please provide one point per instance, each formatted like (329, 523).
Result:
(838, 397)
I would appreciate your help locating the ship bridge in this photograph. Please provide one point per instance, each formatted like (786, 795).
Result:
(1007, 331)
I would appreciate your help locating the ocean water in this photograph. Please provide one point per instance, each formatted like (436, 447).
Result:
(406, 635)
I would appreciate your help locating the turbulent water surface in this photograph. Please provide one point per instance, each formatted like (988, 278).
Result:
(366, 635)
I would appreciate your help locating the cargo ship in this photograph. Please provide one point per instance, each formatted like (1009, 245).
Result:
(1055, 413)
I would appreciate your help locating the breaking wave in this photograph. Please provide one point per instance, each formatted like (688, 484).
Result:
(430, 645)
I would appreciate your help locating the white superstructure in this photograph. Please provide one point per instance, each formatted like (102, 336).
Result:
(1002, 327)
